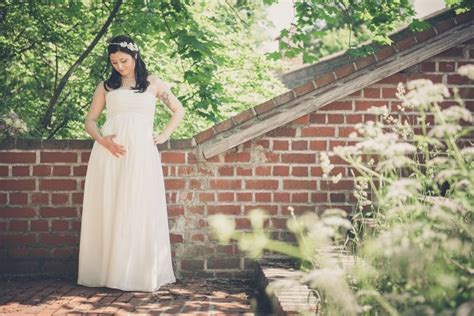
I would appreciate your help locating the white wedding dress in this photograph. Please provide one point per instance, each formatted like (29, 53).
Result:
(124, 242)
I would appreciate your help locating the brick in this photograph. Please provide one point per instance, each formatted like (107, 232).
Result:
(298, 158)
(223, 184)
(59, 225)
(299, 197)
(61, 170)
(41, 170)
(57, 239)
(17, 198)
(325, 79)
(371, 93)
(192, 264)
(304, 89)
(225, 171)
(20, 171)
(428, 66)
(17, 157)
(445, 25)
(446, 66)
(61, 198)
(243, 116)
(299, 184)
(425, 35)
(243, 196)
(263, 197)
(17, 239)
(269, 209)
(204, 135)
(365, 105)
(175, 211)
(317, 131)
(224, 125)
(337, 106)
(319, 118)
(260, 184)
(175, 184)
(57, 156)
(281, 197)
(452, 52)
(280, 144)
(230, 209)
(264, 107)
(316, 172)
(263, 171)
(176, 238)
(17, 185)
(79, 171)
(39, 225)
(18, 226)
(242, 223)
(173, 157)
(335, 118)
(318, 145)
(458, 79)
(281, 171)
(389, 93)
(58, 212)
(223, 263)
(301, 120)
(244, 171)
(284, 98)
(39, 198)
(4, 171)
(299, 171)
(394, 79)
(57, 184)
(365, 61)
(385, 53)
(299, 145)
(237, 157)
(406, 43)
(282, 132)
(344, 70)
(225, 196)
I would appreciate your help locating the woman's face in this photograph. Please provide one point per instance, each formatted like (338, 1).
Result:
(123, 63)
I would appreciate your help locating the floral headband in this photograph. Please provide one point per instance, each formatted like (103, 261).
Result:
(130, 46)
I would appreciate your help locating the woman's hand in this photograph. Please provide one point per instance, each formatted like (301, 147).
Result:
(112, 146)
(159, 138)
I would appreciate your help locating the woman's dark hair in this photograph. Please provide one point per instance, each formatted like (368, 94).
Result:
(141, 73)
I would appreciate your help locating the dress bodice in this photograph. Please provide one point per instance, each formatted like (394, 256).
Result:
(130, 102)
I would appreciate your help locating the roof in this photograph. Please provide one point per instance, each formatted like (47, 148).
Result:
(333, 78)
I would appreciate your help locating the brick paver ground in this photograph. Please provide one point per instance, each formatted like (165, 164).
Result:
(55, 296)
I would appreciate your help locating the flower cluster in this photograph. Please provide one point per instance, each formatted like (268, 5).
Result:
(130, 46)
(12, 125)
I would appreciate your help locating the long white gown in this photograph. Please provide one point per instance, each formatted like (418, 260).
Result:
(124, 241)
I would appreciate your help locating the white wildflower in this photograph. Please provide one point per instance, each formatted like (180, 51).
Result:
(336, 178)
(467, 70)
(403, 189)
(325, 164)
(378, 110)
(440, 131)
(456, 113)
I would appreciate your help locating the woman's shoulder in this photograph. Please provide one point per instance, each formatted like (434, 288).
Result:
(158, 82)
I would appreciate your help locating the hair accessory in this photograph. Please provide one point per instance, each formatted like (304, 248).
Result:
(130, 46)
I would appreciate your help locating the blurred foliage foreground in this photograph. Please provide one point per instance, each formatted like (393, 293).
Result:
(410, 238)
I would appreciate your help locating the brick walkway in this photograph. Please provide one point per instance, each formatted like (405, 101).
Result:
(187, 296)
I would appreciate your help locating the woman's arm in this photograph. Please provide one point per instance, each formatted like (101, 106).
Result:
(97, 105)
(172, 102)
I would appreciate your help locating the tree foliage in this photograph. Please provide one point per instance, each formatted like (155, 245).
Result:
(53, 54)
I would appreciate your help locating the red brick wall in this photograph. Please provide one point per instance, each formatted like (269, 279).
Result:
(41, 182)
